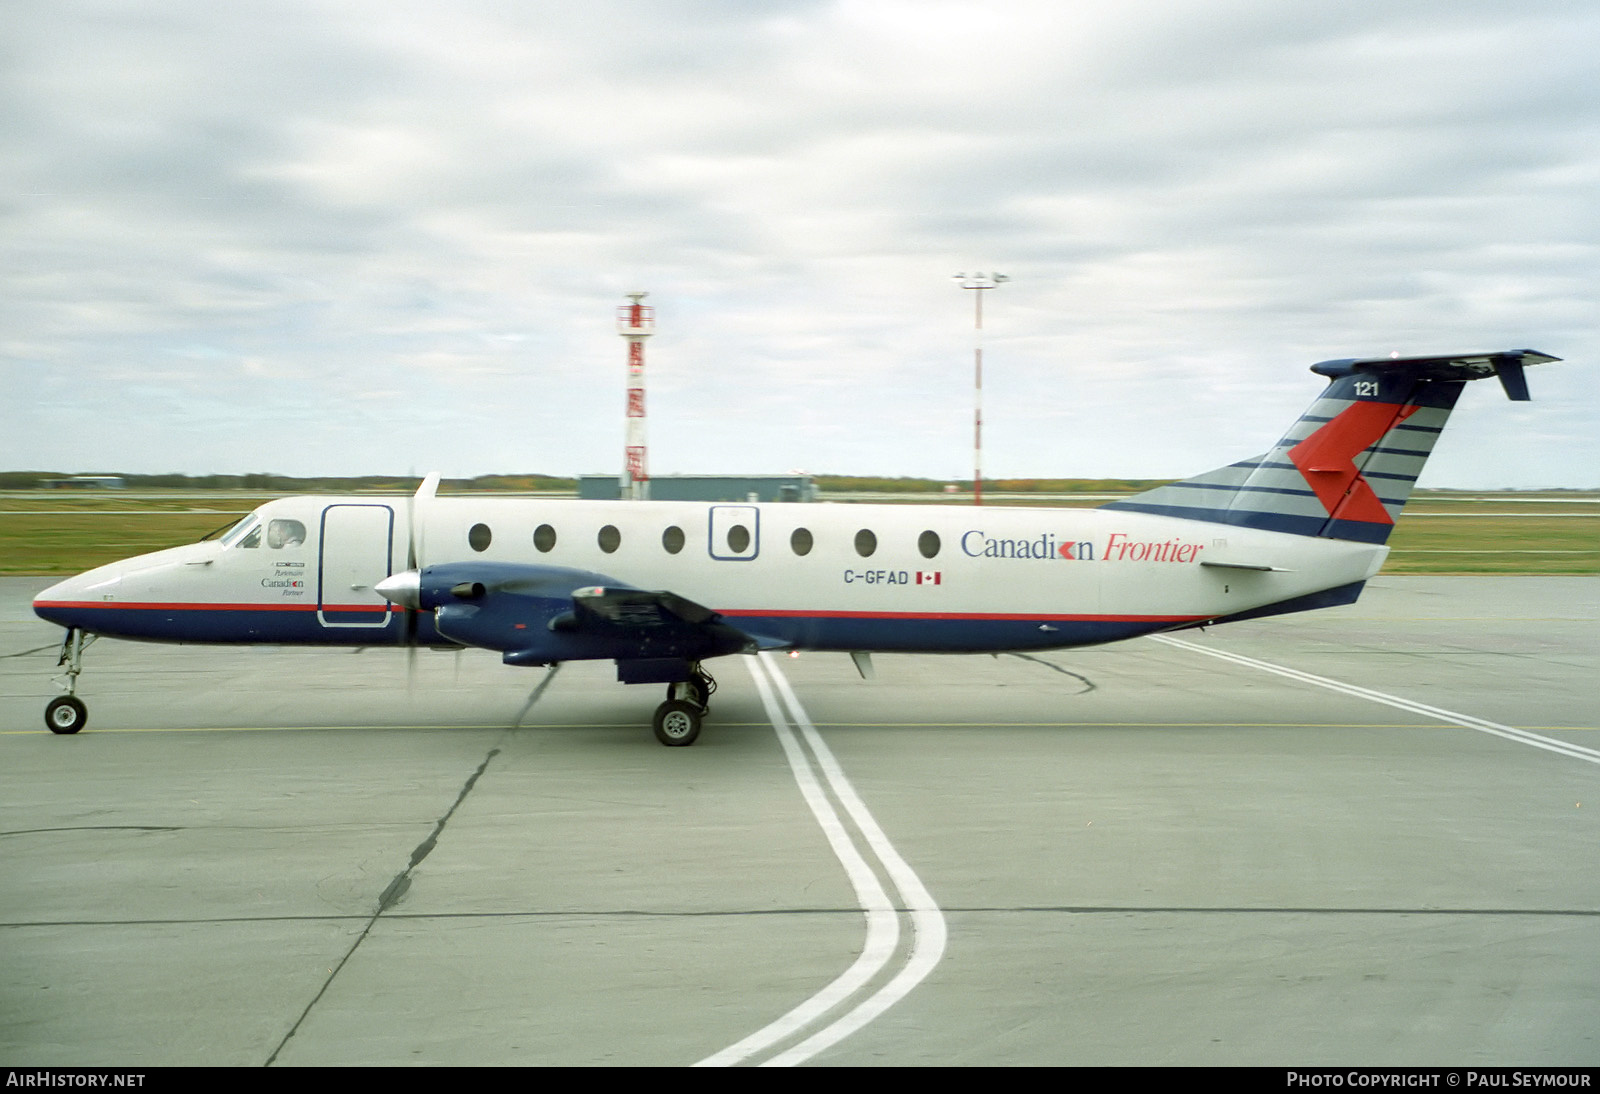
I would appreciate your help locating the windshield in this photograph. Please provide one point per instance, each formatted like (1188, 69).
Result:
(230, 528)
(238, 530)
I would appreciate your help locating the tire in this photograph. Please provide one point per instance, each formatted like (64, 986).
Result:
(65, 714)
(677, 723)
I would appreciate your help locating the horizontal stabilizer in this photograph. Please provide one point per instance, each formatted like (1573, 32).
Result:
(1259, 567)
(1508, 365)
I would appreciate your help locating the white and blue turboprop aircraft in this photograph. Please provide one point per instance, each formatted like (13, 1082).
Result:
(542, 582)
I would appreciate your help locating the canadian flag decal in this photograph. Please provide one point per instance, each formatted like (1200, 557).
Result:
(926, 578)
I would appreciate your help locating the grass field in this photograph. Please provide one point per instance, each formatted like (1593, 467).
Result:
(1497, 534)
(55, 534)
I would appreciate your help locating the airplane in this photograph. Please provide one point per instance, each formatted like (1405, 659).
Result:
(662, 587)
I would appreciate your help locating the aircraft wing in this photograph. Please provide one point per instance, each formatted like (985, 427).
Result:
(534, 615)
(628, 607)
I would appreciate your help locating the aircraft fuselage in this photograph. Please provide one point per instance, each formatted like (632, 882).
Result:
(931, 578)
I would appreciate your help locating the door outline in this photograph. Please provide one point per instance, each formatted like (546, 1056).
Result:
(355, 608)
(720, 520)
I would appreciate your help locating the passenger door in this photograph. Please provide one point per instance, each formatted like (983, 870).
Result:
(355, 556)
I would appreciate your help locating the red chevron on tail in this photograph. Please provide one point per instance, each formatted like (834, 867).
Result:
(1327, 459)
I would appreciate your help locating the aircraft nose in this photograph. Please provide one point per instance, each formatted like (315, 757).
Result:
(48, 602)
(62, 602)
(404, 588)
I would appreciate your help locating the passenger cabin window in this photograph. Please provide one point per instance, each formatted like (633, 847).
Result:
(285, 533)
(738, 539)
(609, 538)
(478, 537)
(928, 544)
(544, 538)
(800, 541)
(672, 539)
(866, 543)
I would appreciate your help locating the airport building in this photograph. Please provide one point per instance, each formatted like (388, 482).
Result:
(741, 488)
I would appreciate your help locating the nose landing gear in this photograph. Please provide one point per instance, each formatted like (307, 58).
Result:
(66, 713)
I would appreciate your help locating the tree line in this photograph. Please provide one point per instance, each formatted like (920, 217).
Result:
(268, 483)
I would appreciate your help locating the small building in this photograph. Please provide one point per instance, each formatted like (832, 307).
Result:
(85, 482)
(705, 488)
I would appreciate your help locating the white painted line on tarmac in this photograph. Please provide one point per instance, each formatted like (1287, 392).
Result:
(883, 921)
(1467, 721)
(929, 933)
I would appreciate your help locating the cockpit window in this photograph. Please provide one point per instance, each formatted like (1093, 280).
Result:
(218, 533)
(252, 538)
(236, 530)
(285, 533)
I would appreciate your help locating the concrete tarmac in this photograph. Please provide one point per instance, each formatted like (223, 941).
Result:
(1142, 854)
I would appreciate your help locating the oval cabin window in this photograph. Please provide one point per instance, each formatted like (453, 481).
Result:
(928, 544)
(609, 538)
(738, 539)
(866, 543)
(800, 541)
(544, 537)
(478, 537)
(672, 539)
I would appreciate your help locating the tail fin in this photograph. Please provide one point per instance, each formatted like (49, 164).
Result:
(1346, 468)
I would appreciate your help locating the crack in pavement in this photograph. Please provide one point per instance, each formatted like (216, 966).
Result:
(1088, 684)
(390, 895)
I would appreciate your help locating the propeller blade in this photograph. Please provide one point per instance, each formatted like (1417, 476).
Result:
(412, 578)
(415, 524)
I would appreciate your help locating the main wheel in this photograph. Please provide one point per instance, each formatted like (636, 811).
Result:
(66, 714)
(677, 723)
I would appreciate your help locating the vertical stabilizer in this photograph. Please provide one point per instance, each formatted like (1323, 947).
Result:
(1346, 468)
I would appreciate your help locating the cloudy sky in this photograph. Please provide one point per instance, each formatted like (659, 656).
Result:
(386, 237)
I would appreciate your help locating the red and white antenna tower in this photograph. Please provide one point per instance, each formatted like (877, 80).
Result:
(635, 322)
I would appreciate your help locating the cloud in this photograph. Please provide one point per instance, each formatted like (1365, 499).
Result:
(392, 235)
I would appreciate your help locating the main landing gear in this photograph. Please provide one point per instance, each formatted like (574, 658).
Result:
(66, 713)
(677, 721)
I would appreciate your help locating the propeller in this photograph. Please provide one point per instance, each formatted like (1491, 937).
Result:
(405, 588)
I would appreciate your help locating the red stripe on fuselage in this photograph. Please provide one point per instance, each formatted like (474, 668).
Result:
(128, 605)
(776, 613)
(999, 616)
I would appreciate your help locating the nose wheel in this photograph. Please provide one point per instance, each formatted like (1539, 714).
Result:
(66, 713)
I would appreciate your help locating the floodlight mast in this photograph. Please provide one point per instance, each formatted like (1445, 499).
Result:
(978, 282)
